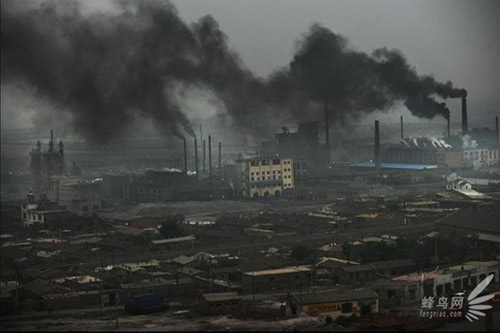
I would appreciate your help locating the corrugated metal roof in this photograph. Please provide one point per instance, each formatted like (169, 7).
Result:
(220, 297)
(405, 166)
(335, 296)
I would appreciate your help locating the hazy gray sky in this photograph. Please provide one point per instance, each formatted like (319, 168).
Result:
(451, 39)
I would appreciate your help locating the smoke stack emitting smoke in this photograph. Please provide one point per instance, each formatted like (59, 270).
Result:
(106, 68)
(377, 146)
(465, 125)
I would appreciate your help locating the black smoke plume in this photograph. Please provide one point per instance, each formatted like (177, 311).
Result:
(106, 68)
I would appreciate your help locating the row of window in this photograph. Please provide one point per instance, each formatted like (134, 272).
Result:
(264, 178)
(264, 162)
(265, 172)
(476, 153)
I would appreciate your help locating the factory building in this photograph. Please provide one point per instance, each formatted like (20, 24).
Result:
(481, 156)
(112, 185)
(302, 147)
(78, 196)
(423, 151)
(46, 164)
(157, 186)
(263, 177)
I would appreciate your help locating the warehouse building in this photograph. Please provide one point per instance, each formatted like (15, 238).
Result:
(347, 302)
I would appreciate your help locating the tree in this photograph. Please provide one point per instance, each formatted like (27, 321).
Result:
(171, 228)
(303, 253)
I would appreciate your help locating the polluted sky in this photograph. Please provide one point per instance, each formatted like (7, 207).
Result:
(103, 64)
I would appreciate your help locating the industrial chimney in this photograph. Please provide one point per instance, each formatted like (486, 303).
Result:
(377, 146)
(210, 158)
(196, 157)
(327, 134)
(185, 156)
(51, 143)
(402, 136)
(465, 126)
(220, 160)
(448, 124)
(204, 159)
(497, 130)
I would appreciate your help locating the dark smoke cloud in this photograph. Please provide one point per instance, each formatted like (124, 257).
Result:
(354, 82)
(106, 68)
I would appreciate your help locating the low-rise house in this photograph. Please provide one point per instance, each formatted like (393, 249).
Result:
(37, 291)
(219, 303)
(83, 283)
(166, 288)
(232, 274)
(167, 243)
(460, 184)
(275, 279)
(449, 280)
(346, 302)
(370, 271)
(215, 285)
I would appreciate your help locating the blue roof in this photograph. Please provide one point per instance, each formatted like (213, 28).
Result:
(404, 166)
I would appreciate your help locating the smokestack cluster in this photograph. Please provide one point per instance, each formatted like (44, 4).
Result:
(465, 125)
(377, 146)
(128, 61)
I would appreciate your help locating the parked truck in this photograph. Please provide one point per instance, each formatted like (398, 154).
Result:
(146, 303)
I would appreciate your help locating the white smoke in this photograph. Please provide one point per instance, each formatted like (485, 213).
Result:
(171, 169)
(467, 142)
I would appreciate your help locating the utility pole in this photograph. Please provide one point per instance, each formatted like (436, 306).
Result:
(435, 251)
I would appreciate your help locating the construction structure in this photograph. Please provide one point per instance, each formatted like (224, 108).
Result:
(46, 164)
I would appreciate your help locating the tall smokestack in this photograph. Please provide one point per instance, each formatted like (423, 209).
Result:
(448, 124)
(51, 143)
(497, 130)
(210, 159)
(377, 146)
(204, 159)
(220, 160)
(185, 156)
(327, 134)
(465, 126)
(201, 133)
(196, 157)
(402, 135)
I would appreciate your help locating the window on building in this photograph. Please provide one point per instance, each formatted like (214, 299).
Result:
(275, 162)
(346, 307)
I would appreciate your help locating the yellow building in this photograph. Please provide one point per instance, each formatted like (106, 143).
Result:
(263, 177)
(346, 302)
